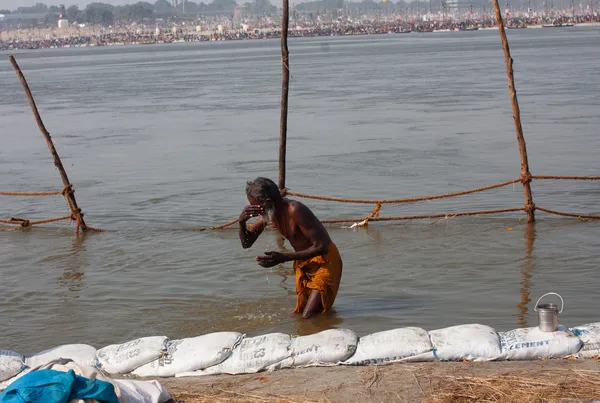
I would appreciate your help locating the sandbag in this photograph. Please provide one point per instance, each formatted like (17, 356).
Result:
(82, 354)
(329, 347)
(392, 346)
(11, 364)
(141, 391)
(192, 354)
(6, 383)
(471, 342)
(126, 357)
(590, 337)
(531, 343)
(251, 355)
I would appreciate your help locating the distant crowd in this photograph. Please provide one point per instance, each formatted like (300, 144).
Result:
(126, 38)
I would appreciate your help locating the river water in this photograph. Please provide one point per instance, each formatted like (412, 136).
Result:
(161, 137)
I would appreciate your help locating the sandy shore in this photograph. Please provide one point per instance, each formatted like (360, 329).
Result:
(531, 381)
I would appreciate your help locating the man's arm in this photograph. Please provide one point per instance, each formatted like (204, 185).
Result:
(248, 237)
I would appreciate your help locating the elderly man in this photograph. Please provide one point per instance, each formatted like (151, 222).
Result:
(317, 261)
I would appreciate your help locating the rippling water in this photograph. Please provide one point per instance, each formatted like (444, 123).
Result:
(156, 137)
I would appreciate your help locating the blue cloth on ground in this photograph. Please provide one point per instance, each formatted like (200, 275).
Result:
(50, 386)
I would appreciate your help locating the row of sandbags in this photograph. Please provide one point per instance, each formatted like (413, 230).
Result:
(233, 353)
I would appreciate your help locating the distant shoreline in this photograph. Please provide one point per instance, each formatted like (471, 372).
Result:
(51, 38)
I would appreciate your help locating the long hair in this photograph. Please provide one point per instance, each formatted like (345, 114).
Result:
(262, 189)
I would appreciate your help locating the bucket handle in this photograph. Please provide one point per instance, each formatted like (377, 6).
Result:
(562, 305)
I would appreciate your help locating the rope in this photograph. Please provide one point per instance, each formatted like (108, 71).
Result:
(284, 60)
(30, 193)
(577, 178)
(418, 217)
(374, 213)
(222, 226)
(406, 200)
(27, 223)
(64, 191)
(593, 217)
(16, 221)
(48, 220)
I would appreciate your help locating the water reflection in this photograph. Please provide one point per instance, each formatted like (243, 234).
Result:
(317, 323)
(71, 280)
(527, 267)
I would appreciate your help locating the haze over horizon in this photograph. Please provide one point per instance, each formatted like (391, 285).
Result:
(14, 4)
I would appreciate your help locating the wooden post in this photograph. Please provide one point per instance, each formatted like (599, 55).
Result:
(527, 267)
(525, 174)
(69, 195)
(285, 85)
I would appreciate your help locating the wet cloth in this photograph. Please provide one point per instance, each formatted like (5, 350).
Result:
(321, 273)
(50, 386)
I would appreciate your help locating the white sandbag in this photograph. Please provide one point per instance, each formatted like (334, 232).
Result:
(65, 365)
(251, 355)
(126, 357)
(329, 347)
(141, 391)
(192, 354)
(471, 342)
(392, 346)
(590, 337)
(531, 343)
(82, 354)
(6, 383)
(11, 364)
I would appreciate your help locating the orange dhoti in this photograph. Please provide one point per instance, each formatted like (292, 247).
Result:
(322, 273)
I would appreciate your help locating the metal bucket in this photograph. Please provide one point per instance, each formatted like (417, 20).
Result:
(548, 314)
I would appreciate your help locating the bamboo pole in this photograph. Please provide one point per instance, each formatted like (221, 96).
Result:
(527, 267)
(285, 84)
(525, 174)
(69, 195)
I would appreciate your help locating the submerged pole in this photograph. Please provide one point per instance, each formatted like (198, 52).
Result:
(527, 267)
(285, 85)
(525, 174)
(69, 195)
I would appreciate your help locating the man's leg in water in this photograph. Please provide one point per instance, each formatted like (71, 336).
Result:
(314, 305)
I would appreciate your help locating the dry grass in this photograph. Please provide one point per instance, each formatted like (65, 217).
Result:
(548, 386)
(424, 383)
(229, 396)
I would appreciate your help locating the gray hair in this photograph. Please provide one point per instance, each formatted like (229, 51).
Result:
(262, 189)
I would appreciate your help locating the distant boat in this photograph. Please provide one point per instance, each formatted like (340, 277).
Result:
(557, 25)
(469, 29)
(517, 27)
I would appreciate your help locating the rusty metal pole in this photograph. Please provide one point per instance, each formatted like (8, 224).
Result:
(525, 174)
(69, 195)
(285, 85)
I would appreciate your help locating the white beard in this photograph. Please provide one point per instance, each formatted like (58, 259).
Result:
(268, 216)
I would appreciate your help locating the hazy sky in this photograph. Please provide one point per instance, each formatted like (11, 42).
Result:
(13, 4)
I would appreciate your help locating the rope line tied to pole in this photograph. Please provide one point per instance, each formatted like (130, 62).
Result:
(284, 61)
(25, 194)
(526, 177)
(529, 207)
(67, 190)
(577, 178)
(374, 213)
(398, 201)
(25, 223)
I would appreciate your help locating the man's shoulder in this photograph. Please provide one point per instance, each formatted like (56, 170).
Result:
(297, 207)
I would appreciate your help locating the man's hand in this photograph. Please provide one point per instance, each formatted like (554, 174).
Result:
(250, 211)
(271, 259)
